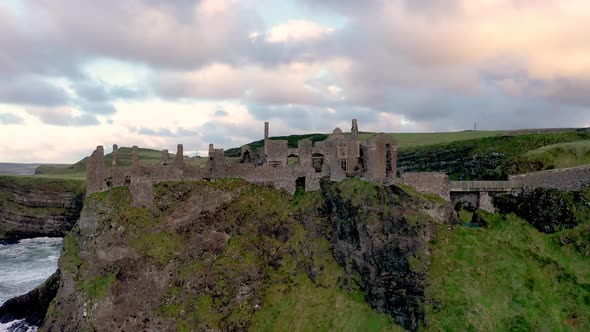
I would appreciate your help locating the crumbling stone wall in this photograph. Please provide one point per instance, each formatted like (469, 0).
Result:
(305, 151)
(429, 183)
(142, 191)
(165, 160)
(277, 153)
(179, 161)
(381, 159)
(567, 179)
(246, 154)
(117, 174)
(216, 163)
(95, 176)
(338, 149)
(278, 177)
(339, 153)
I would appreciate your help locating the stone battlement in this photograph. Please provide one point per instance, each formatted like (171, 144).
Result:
(338, 157)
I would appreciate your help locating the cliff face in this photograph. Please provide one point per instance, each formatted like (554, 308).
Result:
(382, 234)
(228, 255)
(31, 207)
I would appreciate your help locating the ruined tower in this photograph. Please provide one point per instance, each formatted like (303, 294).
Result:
(165, 158)
(355, 130)
(265, 137)
(115, 155)
(117, 176)
(95, 171)
(179, 156)
(381, 157)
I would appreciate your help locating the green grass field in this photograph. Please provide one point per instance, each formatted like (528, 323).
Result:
(30, 183)
(508, 277)
(408, 140)
(562, 155)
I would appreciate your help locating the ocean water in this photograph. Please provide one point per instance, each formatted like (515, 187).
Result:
(24, 266)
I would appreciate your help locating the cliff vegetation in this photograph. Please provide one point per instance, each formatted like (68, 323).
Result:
(227, 255)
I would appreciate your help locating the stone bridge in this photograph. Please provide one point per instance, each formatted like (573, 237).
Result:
(476, 193)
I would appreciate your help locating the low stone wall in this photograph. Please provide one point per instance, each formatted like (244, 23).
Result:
(566, 179)
(429, 183)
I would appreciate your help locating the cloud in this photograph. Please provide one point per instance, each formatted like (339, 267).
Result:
(293, 30)
(150, 31)
(213, 70)
(10, 118)
(63, 116)
(165, 132)
(31, 90)
(221, 113)
(299, 83)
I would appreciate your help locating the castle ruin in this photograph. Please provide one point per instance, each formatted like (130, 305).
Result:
(338, 157)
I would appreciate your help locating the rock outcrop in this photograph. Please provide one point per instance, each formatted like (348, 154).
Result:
(381, 234)
(225, 255)
(33, 206)
(32, 307)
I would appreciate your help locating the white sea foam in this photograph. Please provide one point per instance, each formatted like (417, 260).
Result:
(26, 265)
(17, 326)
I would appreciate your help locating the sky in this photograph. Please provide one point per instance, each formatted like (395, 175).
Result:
(154, 73)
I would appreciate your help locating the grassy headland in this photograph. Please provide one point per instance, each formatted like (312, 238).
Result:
(509, 277)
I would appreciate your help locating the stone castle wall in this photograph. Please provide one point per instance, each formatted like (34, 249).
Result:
(429, 183)
(338, 157)
(95, 174)
(566, 179)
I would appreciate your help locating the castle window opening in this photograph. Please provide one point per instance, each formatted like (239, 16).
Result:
(246, 158)
(293, 160)
(300, 184)
(342, 152)
(344, 164)
(317, 161)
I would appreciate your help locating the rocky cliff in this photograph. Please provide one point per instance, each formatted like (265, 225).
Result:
(33, 206)
(228, 255)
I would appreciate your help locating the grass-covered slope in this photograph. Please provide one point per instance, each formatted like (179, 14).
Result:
(409, 140)
(292, 142)
(558, 155)
(494, 158)
(510, 277)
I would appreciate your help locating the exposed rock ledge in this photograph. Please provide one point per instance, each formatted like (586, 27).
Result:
(32, 306)
(32, 206)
